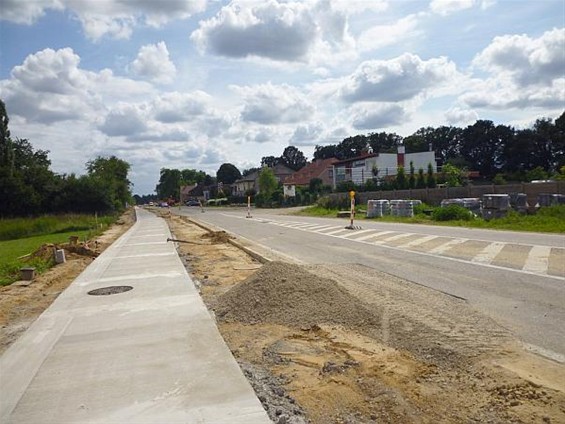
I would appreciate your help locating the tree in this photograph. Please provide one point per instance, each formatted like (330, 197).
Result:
(412, 179)
(325, 152)
(421, 180)
(430, 178)
(384, 142)
(113, 173)
(228, 173)
(270, 161)
(483, 144)
(169, 184)
(401, 182)
(267, 183)
(6, 149)
(316, 185)
(248, 171)
(351, 147)
(453, 175)
(293, 158)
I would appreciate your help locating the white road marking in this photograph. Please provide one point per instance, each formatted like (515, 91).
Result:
(320, 227)
(538, 260)
(442, 248)
(321, 230)
(331, 233)
(356, 233)
(393, 238)
(489, 253)
(418, 242)
(378, 234)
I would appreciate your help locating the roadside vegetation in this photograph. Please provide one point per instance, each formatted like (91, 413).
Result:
(20, 238)
(547, 220)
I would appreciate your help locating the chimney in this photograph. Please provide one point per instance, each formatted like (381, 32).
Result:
(400, 156)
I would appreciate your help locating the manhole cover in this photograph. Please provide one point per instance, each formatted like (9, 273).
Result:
(105, 291)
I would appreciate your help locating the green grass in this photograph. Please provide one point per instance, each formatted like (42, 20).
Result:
(11, 250)
(546, 220)
(22, 236)
(317, 211)
(16, 228)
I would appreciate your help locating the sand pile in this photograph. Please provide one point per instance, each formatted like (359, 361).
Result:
(287, 294)
(217, 237)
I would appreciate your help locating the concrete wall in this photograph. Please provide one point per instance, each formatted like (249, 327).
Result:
(421, 160)
(434, 196)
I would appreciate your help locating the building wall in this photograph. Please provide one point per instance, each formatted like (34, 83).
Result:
(421, 160)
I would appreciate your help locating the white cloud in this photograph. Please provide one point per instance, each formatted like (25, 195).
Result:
(461, 117)
(123, 120)
(373, 117)
(153, 62)
(352, 7)
(180, 107)
(446, 7)
(49, 86)
(99, 18)
(397, 79)
(276, 30)
(307, 135)
(380, 36)
(274, 104)
(523, 72)
(527, 60)
(51, 71)
(27, 12)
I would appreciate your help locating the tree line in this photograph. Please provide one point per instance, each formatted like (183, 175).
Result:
(485, 147)
(29, 187)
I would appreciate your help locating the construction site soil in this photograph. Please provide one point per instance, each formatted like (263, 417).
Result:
(345, 343)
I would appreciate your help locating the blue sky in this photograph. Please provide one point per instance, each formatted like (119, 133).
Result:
(196, 83)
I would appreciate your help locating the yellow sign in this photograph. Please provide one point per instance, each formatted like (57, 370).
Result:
(351, 194)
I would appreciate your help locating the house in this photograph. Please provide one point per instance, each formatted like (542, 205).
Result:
(369, 165)
(194, 192)
(319, 168)
(186, 192)
(245, 184)
(251, 181)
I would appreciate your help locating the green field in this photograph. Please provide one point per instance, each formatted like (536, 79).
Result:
(546, 220)
(22, 237)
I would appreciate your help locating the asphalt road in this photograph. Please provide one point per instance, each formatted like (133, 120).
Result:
(518, 279)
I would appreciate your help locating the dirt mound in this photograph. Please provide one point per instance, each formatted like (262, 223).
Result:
(287, 294)
(217, 237)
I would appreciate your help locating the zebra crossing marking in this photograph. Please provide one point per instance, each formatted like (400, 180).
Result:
(536, 263)
(442, 248)
(356, 233)
(487, 255)
(417, 242)
(538, 260)
(393, 238)
(378, 234)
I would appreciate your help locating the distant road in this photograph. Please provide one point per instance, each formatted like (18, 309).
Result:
(518, 279)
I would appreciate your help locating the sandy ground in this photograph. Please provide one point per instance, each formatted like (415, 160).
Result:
(21, 305)
(347, 344)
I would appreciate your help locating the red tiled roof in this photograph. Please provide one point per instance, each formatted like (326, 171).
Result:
(314, 169)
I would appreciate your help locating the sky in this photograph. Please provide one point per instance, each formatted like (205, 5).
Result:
(197, 83)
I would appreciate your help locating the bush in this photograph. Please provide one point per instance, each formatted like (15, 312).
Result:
(452, 213)
(333, 203)
(421, 208)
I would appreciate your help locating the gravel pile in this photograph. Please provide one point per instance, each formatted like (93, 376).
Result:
(287, 294)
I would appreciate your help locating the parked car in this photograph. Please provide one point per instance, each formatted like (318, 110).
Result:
(192, 203)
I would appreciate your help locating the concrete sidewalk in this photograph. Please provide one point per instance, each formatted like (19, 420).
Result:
(152, 354)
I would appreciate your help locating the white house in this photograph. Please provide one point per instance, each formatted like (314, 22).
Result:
(367, 166)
